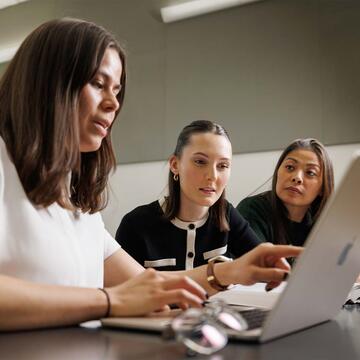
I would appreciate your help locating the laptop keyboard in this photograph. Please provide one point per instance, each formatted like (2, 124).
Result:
(254, 317)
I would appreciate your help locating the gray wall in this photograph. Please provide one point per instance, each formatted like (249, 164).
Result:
(269, 72)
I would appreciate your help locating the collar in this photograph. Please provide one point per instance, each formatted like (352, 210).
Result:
(185, 225)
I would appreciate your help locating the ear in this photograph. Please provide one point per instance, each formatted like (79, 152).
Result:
(174, 164)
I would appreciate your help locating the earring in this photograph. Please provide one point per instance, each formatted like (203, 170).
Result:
(176, 177)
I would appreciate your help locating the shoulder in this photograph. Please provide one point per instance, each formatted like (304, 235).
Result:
(147, 212)
(257, 211)
(233, 216)
(138, 219)
(256, 208)
(257, 203)
(152, 208)
(230, 209)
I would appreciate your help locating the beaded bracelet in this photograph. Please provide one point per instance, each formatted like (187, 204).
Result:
(108, 302)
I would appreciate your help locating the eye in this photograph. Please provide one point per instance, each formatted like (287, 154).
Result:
(311, 173)
(223, 166)
(199, 162)
(289, 167)
(97, 84)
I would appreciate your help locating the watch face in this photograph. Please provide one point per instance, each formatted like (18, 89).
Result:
(220, 258)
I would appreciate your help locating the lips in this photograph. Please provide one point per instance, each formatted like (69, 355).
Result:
(208, 190)
(294, 190)
(102, 126)
(103, 123)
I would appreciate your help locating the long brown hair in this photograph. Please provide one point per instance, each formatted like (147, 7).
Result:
(217, 212)
(39, 95)
(279, 211)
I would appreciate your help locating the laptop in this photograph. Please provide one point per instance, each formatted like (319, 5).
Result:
(320, 280)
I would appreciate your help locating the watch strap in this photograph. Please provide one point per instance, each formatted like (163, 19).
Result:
(212, 279)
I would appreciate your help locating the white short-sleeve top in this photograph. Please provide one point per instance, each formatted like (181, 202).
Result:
(48, 245)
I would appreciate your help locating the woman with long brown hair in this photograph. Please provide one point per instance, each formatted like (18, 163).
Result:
(59, 98)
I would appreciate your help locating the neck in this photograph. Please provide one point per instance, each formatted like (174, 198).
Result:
(296, 213)
(190, 211)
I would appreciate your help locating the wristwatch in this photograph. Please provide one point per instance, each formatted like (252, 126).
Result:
(211, 278)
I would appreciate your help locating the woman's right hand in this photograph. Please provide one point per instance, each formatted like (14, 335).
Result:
(265, 263)
(152, 291)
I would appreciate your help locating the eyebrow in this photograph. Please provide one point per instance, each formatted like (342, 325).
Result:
(308, 164)
(203, 154)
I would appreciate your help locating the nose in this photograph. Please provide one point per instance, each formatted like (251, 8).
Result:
(297, 178)
(212, 173)
(110, 102)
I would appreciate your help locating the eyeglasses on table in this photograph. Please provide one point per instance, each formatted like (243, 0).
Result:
(203, 331)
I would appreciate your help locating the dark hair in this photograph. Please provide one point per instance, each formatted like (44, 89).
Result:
(280, 212)
(217, 212)
(39, 95)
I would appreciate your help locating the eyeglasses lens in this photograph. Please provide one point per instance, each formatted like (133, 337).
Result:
(203, 330)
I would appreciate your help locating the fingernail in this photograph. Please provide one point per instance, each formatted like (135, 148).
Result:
(268, 288)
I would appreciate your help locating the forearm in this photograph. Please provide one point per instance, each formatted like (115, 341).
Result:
(264, 263)
(120, 267)
(26, 305)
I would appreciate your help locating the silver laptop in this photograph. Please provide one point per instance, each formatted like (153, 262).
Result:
(319, 281)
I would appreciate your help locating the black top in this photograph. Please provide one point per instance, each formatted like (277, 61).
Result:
(154, 241)
(258, 212)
